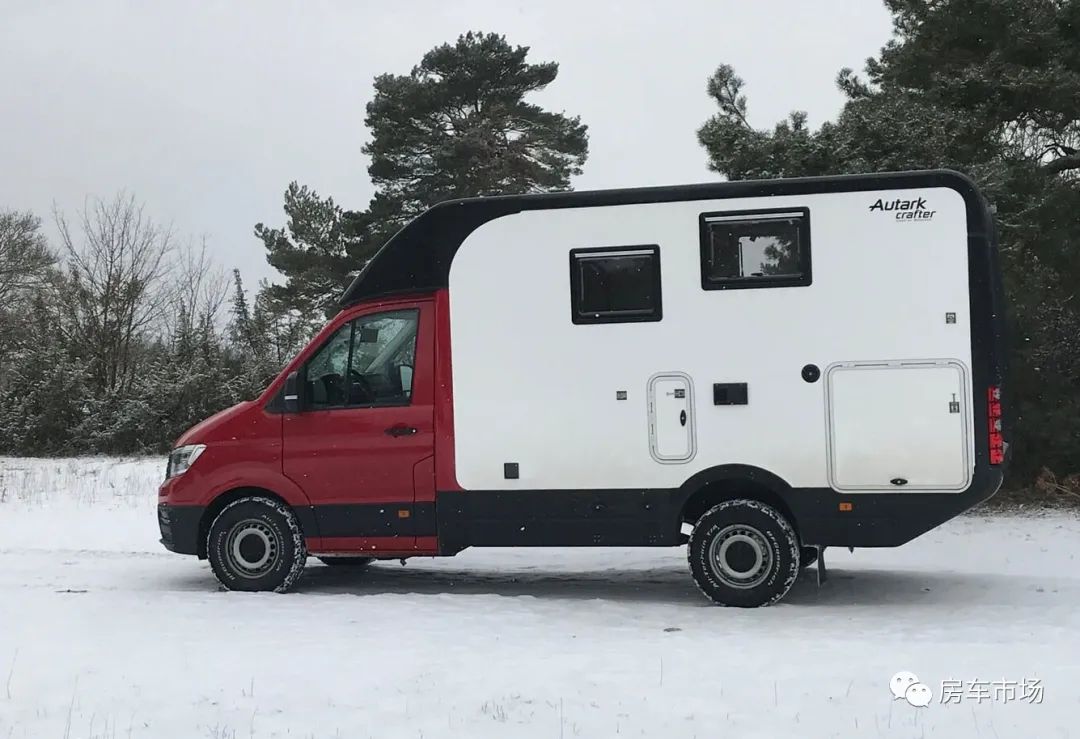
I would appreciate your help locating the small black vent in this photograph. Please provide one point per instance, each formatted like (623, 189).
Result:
(510, 470)
(729, 393)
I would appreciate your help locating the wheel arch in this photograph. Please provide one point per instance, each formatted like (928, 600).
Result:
(714, 485)
(308, 523)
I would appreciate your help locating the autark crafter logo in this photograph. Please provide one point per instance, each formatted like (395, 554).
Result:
(904, 210)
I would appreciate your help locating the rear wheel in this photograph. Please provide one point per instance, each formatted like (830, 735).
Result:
(255, 543)
(354, 562)
(743, 553)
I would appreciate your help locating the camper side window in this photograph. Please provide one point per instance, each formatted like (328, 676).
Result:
(615, 284)
(762, 248)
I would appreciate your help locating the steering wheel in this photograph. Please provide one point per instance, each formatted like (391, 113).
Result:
(358, 380)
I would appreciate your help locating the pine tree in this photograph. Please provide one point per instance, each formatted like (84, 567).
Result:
(241, 331)
(316, 251)
(459, 125)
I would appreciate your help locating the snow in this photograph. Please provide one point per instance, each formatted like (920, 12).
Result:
(104, 634)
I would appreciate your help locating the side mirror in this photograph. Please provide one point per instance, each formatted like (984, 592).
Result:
(291, 396)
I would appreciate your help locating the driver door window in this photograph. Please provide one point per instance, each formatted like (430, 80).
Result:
(326, 371)
(368, 362)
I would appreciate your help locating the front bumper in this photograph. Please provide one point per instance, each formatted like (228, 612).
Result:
(179, 526)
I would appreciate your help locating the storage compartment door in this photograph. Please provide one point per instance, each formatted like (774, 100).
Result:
(671, 417)
(899, 426)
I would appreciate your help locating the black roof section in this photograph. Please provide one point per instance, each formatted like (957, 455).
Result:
(417, 258)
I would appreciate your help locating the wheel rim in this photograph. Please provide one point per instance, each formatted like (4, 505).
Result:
(253, 548)
(740, 556)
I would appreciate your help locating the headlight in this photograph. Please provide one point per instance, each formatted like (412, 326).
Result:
(181, 458)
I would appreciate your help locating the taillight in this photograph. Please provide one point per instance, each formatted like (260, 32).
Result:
(997, 440)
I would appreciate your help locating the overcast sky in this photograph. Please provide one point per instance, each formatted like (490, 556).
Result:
(206, 110)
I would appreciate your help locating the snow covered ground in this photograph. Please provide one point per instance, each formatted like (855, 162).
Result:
(104, 634)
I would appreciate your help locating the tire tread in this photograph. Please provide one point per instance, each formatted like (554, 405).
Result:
(295, 533)
(791, 539)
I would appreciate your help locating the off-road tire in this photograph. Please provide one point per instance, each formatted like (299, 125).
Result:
(254, 544)
(764, 540)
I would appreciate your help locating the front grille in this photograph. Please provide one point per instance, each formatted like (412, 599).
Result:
(165, 524)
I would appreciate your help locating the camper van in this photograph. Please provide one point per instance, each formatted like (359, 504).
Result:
(755, 370)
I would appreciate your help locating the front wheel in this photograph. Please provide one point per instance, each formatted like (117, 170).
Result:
(743, 553)
(255, 543)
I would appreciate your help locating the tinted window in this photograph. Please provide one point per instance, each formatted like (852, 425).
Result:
(760, 249)
(615, 284)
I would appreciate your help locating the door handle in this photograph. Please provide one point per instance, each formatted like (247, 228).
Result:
(400, 431)
(682, 418)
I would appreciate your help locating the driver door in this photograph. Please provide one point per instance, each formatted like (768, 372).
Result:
(365, 426)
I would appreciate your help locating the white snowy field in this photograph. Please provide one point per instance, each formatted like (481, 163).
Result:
(104, 634)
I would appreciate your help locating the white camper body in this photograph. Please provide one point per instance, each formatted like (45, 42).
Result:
(626, 405)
